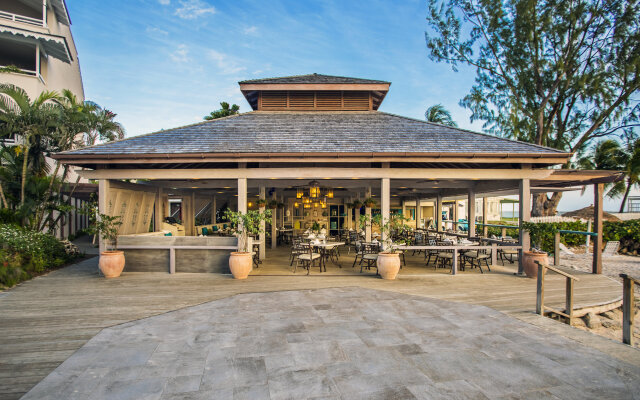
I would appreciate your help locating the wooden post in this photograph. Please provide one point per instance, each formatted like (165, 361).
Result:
(556, 250)
(438, 212)
(103, 207)
(263, 235)
(569, 300)
(485, 220)
(524, 216)
(471, 213)
(385, 203)
(158, 211)
(172, 260)
(588, 239)
(192, 214)
(628, 309)
(540, 290)
(503, 232)
(598, 189)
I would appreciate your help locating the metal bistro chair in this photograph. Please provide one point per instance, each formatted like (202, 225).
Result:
(358, 250)
(418, 240)
(431, 252)
(476, 258)
(308, 258)
(297, 248)
(369, 255)
(444, 256)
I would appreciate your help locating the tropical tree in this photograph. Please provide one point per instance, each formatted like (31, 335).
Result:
(224, 111)
(439, 115)
(611, 155)
(549, 72)
(31, 122)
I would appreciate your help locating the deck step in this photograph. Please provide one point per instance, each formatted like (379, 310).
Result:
(598, 308)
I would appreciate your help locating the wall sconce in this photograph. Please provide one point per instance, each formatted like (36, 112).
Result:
(296, 204)
(249, 204)
(330, 193)
(299, 193)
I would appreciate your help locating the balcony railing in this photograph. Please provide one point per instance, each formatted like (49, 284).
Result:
(21, 18)
(27, 72)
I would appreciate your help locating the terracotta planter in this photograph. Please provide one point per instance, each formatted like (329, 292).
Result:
(388, 265)
(528, 262)
(240, 264)
(111, 263)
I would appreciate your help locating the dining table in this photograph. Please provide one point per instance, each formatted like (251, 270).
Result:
(327, 251)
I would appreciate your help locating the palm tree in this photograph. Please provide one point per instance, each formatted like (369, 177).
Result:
(611, 155)
(102, 125)
(439, 115)
(224, 111)
(29, 121)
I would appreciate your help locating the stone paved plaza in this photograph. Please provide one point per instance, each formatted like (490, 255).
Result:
(339, 343)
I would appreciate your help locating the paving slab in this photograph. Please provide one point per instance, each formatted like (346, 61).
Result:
(335, 343)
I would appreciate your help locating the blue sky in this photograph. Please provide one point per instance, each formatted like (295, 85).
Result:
(165, 63)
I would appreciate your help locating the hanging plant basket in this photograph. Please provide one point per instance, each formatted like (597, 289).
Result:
(261, 203)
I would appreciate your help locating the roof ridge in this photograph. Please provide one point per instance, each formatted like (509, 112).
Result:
(312, 74)
(474, 132)
(156, 132)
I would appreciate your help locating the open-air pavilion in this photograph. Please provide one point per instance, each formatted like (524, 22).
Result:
(315, 144)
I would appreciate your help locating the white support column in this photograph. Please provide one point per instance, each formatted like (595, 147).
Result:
(103, 207)
(485, 220)
(385, 203)
(274, 223)
(471, 212)
(242, 200)
(367, 210)
(524, 216)
(357, 221)
(44, 13)
(263, 234)
(438, 213)
(418, 213)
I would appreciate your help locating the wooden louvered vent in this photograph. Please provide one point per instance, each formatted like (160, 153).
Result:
(300, 100)
(274, 100)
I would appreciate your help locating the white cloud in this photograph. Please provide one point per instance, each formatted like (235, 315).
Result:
(251, 30)
(225, 63)
(181, 54)
(153, 31)
(191, 9)
(164, 2)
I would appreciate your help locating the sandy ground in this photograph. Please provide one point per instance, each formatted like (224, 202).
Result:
(608, 324)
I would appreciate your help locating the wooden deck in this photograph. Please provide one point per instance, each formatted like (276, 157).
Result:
(43, 321)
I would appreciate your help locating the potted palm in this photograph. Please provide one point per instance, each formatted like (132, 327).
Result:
(389, 259)
(111, 261)
(243, 225)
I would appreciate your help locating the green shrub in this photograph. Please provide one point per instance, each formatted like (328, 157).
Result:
(543, 234)
(25, 254)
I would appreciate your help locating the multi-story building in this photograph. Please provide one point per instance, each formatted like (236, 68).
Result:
(37, 53)
(35, 38)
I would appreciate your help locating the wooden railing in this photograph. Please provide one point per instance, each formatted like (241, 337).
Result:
(21, 18)
(556, 246)
(628, 307)
(540, 307)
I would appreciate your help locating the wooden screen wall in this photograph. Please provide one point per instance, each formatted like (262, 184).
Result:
(134, 207)
(299, 100)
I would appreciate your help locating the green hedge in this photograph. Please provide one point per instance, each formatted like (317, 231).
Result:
(25, 254)
(543, 234)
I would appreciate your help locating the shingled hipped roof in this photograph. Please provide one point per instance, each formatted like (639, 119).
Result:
(335, 133)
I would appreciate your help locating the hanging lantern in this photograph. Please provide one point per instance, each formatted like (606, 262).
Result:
(299, 193)
(296, 204)
(323, 204)
(307, 206)
(314, 189)
(316, 204)
(330, 193)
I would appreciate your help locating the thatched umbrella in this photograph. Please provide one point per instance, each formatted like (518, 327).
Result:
(587, 213)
